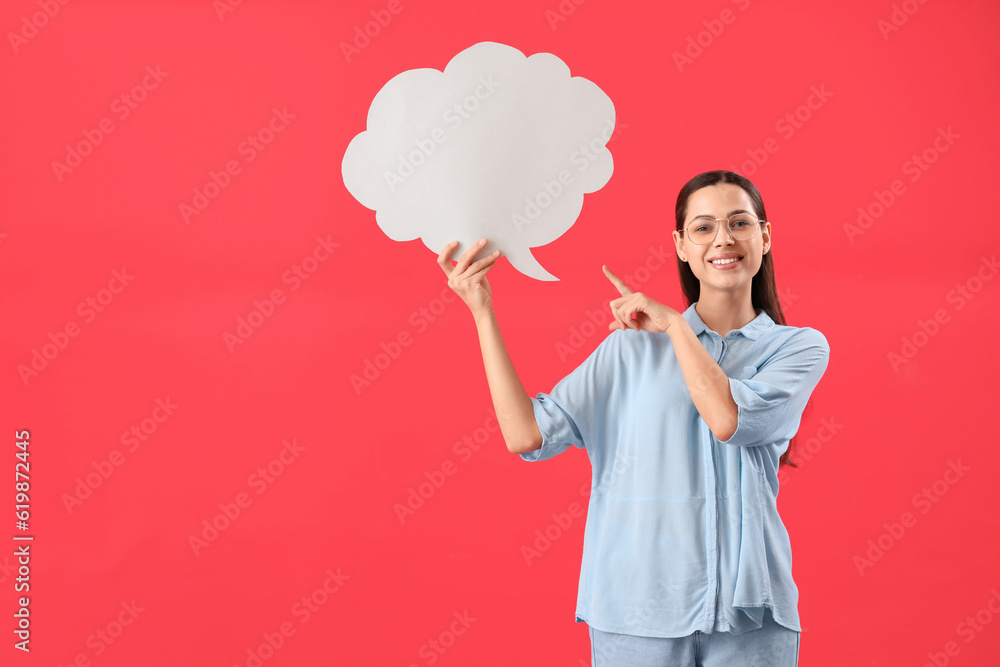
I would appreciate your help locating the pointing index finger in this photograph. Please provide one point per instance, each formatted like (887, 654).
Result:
(616, 281)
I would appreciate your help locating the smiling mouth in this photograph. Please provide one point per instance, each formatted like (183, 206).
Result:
(726, 262)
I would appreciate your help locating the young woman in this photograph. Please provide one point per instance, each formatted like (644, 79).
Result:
(685, 418)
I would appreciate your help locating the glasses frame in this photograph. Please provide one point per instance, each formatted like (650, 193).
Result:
(729, 226)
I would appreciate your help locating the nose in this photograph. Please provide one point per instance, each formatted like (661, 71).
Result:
(724, 236)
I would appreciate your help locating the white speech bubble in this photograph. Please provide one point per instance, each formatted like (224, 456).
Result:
(498, 145)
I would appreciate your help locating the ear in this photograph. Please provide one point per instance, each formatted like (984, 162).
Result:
(679, 244)
(765, 233)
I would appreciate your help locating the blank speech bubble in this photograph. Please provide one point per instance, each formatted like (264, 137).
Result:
(498, 145)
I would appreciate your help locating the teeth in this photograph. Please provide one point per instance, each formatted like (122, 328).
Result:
(725, 261)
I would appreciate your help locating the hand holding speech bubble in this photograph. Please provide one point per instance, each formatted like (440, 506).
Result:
(498, 145)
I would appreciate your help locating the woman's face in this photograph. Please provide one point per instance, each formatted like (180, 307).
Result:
(718, 201)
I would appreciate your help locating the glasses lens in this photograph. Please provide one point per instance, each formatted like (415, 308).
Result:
(702, 231)
(744, 226)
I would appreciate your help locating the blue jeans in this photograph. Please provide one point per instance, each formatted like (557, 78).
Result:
(772, 645)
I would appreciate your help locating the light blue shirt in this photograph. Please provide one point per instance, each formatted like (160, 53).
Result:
(683, 532)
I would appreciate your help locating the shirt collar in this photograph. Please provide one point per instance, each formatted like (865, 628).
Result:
(752, 329)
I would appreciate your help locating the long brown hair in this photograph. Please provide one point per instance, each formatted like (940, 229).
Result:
(763, 292)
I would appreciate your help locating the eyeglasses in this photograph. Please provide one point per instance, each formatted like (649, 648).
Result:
(743, 227)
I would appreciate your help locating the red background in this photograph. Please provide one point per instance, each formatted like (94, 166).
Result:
(335, 505)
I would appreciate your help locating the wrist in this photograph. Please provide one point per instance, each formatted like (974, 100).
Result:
(674, 323)
(485, 316)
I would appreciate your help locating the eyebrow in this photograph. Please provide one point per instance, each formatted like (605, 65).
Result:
(705, 215)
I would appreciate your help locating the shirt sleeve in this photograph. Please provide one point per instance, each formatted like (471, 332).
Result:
(770, 403)
(574, 412)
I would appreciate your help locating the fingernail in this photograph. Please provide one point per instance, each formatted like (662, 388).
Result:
(482, 241)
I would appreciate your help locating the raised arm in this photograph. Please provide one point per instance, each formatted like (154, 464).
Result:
(510, 401)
